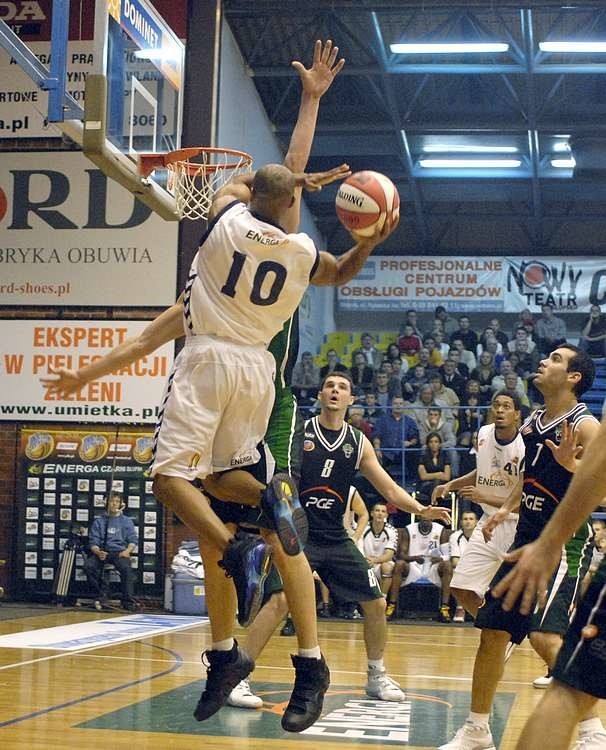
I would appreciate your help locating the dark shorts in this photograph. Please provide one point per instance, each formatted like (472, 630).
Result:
(581, 662)
(344, 569)
(553, 618)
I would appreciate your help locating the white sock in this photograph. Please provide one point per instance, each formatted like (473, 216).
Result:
(376, 664)
(476, 718)
(591, 725)
(310, 653)
(225, 645)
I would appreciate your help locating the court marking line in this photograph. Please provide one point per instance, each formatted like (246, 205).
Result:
(100, 694)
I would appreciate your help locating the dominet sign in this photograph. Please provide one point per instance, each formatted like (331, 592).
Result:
(66, 226)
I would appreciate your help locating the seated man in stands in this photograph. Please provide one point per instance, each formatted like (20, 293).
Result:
(424, 554)
(395, 433)
(458, 543)
(306, 380)
(112, 539)
(379, 543)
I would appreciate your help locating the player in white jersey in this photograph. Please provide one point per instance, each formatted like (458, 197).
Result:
(379, 545)
(459, 541)
(497, 476)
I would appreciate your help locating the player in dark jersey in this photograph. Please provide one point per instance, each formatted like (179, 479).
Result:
(333, 452)
(553, 437)
(580, 669)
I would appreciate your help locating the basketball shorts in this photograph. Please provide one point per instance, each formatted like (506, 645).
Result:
(553, 618)
(581, 662)
(389, 566)
(281, 432)
(215, 410)
(416, 572)
(344, 569)
(481, 559)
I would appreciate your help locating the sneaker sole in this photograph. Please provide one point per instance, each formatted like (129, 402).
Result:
(290, 518)
(257, 599)
(377, 697)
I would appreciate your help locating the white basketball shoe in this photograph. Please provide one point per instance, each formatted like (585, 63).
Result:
(243, 697)
(381, 686)
(591, 741)
(471, 736)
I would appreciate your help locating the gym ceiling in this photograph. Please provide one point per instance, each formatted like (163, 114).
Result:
(398, 113)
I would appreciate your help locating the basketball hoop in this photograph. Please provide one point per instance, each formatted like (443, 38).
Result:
(195, 174)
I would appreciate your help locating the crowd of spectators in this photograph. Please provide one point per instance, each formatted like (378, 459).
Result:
(435, 385)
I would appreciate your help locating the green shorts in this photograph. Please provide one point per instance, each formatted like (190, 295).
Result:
(344, 569)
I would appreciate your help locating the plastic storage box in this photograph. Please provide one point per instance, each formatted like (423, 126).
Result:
(189, 596)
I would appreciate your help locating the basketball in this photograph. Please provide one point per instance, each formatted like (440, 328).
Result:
(364, 200)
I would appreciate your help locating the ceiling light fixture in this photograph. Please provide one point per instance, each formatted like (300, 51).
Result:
(572, 46)
(470, 163)
(563, 163)
(444, 148)
(445, 48)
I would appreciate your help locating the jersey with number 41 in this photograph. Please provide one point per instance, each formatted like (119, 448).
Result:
(248, 277)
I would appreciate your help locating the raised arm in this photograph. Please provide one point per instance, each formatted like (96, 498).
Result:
(166, 327)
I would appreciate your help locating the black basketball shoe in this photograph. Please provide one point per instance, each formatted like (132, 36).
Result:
(312, 679)
(224, 671)
(280, 502)
(247, 560)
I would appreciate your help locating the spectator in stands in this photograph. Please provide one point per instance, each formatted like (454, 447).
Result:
(362, 374)
(400, 366)
(447, 324)
(452, 377)
(424, 358)
(356, 418)
(499, 334)
(386, 388)
(528, 360)
(394, 433)
(435, 424)
(521, 335)
(418, 408)
(372, 410)
(484, 373)
(442, 345)
(549, 330)
(412, 319)
(379, 543)
(489, 342)
(409, 344)
(306, 380)
(525, 319)
(471, 417)
(367, 346)
(392, 352)
(333, 364)
(593, 333)
(513, 382)
(424, 553)
(498, 382)
(465, 332)
(444, 397)
(412, 382)
(436, 357)
(458, 542)
(466, 358)
(393, 376)
(493, 346)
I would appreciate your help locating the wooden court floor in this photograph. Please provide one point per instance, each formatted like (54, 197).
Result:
(140, 694)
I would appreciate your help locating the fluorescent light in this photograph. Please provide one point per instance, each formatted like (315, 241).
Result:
(469, 163)
(161, 55)
(572, 46)
(444, 48)
(563, 163)
(560, 147)
(444, 148)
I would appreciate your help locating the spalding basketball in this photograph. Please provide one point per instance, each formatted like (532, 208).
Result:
(364, 199)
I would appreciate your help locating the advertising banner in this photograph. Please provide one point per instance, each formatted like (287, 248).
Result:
(64, 479)
(496, 284)
(32, 349)
(71, 236)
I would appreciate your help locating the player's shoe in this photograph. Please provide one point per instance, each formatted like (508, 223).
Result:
(459, 615)
(471, 736)
(280, 502)
(591, 741)
(391, 610)
(247, 559)
(444, 614)
(509, 649)
(243, 697)
(312, 679)
(224, 671)
(542, 683)
(382, 687)
(288, 628)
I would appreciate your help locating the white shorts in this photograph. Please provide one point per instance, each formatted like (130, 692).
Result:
(416, 572)
(215, 409)
(377, 569)
(480, 559)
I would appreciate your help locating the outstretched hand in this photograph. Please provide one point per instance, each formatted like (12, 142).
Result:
(529, 578)
(314, 181)
(317, 80)
(62, 383)
(567, 451)
(431, 513)
(439, 491)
